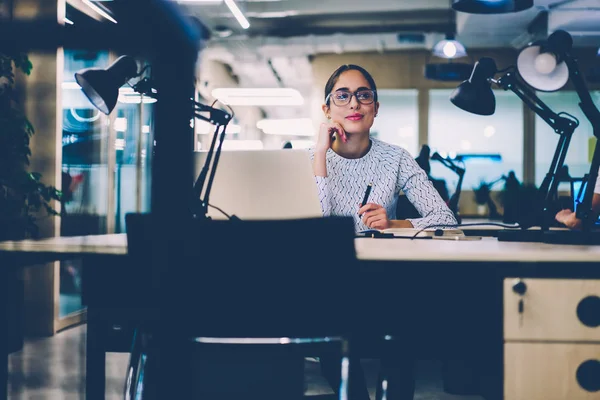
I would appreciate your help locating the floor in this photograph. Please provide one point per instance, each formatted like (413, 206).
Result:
(54, 368)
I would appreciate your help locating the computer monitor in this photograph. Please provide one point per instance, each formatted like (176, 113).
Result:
(263, 184)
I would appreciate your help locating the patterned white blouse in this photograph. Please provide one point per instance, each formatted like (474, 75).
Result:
(390, 169)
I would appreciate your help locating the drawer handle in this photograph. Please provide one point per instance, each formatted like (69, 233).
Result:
(588, 375)
(588, 311)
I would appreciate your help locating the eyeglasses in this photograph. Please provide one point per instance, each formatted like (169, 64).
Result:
(343, 97)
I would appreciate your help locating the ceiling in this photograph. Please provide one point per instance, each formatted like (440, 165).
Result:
(283, 34)
(274, 51)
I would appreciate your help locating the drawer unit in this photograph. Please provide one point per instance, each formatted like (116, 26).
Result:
(555, 371)
(553, 309)
(551, 339)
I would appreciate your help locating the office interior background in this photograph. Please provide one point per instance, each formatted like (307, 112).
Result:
(292, 47)
(289, 49)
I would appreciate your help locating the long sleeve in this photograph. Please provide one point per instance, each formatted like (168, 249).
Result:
(419, 190)
(323, 188)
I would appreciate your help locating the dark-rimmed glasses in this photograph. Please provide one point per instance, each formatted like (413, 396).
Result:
(343, 97)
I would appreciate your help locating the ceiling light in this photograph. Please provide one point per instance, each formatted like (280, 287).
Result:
(290, 126)
(258, 96)
(99, 10)
(237, 13)
(449, 48)
(491, 6)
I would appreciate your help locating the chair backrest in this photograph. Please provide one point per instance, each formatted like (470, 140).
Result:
(275, 278)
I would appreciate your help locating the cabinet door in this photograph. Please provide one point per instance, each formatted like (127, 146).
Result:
(551, 371)
(553, 309)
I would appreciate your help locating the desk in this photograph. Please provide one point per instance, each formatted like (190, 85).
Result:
(475, 274)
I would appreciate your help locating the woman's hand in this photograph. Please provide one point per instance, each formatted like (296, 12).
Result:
(374, 216)
(327, 134)
(569, 219)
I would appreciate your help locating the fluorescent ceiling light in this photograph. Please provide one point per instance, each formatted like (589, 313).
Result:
(99, 10)
(243, 145)
(258, 96)
(237, 13)
(449, 48)
(128, 96)
(291, 126)
(135, 99)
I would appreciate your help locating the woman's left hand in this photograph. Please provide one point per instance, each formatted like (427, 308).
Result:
(374, 216)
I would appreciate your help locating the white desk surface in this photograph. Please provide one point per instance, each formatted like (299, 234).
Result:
(486, 249)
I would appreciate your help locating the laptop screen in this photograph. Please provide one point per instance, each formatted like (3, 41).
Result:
(263, 184)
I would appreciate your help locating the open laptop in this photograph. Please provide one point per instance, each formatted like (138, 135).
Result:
(262, 184)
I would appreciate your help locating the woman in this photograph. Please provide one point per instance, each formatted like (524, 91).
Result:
(345, 161)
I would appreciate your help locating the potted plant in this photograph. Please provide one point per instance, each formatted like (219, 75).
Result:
(22, 193)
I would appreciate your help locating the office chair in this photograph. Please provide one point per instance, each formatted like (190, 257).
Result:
(232, 303)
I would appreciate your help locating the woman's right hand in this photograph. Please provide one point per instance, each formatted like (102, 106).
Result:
(328, 132)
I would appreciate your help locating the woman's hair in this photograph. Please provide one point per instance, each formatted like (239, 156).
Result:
(347, 67)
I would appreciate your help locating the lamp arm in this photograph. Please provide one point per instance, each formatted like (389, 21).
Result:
(220, 119)
(450, 165)
(561, 125)
(453, 203)
(584, 210)
(509, 82)
(205, 201)
(201, 208)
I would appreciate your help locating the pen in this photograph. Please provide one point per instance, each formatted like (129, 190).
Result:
(367, 193)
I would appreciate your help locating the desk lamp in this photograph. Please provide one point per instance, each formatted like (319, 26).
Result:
(101, 87)
(547, 66)
(476, 96)
(453, 202)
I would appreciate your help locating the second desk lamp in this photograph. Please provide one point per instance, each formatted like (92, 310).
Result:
(476, 96)
(101, 87)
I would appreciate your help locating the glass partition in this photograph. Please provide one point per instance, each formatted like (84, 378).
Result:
(479, 139)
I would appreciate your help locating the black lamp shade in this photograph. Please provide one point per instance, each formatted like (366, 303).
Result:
(475, 95)
(491, 6)
(101, 86)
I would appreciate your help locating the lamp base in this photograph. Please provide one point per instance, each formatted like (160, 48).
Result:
(510, 235)
(572, 237)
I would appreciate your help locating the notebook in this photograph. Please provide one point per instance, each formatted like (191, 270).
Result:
(263, 184)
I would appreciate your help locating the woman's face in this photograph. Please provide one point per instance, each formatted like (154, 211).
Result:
(355, 117)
